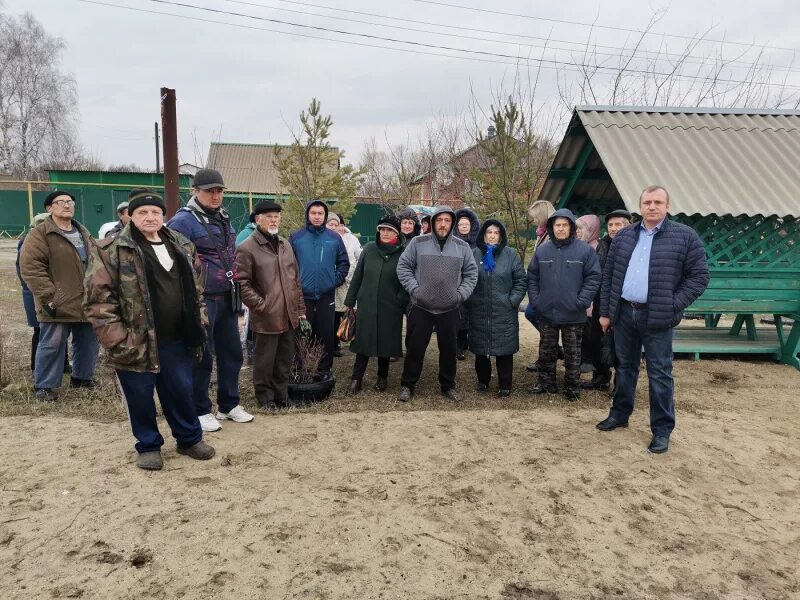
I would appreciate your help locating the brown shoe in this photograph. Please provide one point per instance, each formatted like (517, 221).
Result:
(199, 451)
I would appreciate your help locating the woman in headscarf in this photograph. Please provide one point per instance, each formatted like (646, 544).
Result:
(409, 224)
(539, 212)
(380, 303)
(589, 232)
(493, 307)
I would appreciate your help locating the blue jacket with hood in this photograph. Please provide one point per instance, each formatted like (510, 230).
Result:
(563, 276)
(321, 256)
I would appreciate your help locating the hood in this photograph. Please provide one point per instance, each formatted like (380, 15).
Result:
(200, 211)
(567, 214)
(591, 223)
(440, 210)
(410, 213)
(325, 208)
(474, 226)
(481, 243)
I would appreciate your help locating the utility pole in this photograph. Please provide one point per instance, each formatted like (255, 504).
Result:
(169, 128)
(158, 150)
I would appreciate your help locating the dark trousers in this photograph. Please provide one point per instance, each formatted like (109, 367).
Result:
(321, 314)
(361, 362)
(224, 344)
(174, 386)
(630, 334)
(272, 363)
(594, 344)
(337, 319)
(420, 327)
(505, 370)
(548, 354)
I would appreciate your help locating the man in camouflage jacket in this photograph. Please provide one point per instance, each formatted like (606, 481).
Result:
(145, 302)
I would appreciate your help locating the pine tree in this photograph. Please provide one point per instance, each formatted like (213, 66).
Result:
(513, 164)
(312, 170)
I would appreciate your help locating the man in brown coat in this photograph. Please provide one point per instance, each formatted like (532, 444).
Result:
(270, 280)
(52, 264)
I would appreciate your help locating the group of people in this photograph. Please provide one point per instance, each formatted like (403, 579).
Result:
(164, 299)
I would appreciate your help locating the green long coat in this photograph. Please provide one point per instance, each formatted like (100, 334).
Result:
(380, 301)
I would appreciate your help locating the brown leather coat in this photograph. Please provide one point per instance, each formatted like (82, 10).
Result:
(53, 271)
(270, 284)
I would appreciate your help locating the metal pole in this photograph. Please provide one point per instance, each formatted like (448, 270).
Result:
(158, 150)
(250, 201)
(169, 129)
(30, 202)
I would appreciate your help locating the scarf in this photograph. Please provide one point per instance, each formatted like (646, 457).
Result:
(488, 258)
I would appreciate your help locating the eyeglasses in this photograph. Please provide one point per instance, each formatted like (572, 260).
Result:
(64, 202)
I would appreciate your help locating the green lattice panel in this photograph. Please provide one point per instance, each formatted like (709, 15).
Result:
(748, 242)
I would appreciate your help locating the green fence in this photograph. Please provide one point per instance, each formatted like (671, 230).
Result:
(96, 204)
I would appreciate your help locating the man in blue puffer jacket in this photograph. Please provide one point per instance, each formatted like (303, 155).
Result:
(654, 270)
(563, 277)
(322, 258)
(204, 221)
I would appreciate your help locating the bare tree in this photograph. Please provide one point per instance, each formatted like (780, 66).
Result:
(38, 102)
(701, 72)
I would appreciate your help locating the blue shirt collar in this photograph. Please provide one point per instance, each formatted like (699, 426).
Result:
(654, 229)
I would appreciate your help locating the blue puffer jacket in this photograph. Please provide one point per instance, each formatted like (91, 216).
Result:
(191, 221)
(321, 256)
(678, 273)
(563, 276)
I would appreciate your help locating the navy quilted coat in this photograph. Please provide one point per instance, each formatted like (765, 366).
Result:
(678, 273)
(493, 306)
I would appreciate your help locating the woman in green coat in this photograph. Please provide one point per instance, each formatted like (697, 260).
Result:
(380, 303)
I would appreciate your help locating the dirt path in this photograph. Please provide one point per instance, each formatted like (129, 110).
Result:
(429, 504)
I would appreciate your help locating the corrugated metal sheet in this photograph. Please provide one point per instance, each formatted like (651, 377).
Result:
(712, 162)
(247, 167)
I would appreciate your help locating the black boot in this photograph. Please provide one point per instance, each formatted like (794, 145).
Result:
(380, 384)
(355, 387)
(599, 382)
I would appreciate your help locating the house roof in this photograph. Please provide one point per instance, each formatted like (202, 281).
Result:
(712, 161)
(248, 167)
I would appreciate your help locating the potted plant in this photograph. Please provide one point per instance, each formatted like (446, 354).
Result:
(305, 383)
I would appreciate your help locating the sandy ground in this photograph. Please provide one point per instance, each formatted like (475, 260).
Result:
(363, 498)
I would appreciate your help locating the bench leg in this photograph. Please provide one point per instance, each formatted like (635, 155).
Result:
(791, 348)
(748, 322)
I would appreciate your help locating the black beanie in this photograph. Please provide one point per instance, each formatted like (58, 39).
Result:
(53, 195)
(144, 197)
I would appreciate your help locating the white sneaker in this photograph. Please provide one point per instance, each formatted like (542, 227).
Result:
(237, 414)
(209, 423)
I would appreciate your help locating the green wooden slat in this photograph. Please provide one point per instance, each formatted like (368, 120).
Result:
(580, 167)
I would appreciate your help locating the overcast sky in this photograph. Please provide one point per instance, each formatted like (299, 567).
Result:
(239, 84)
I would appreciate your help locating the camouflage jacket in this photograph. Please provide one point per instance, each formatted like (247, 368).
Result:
(118, 305)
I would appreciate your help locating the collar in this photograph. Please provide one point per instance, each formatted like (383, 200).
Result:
(654, 229)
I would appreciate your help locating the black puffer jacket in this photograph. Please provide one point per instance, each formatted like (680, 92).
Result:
(493, 306)
(472, 237)
(678, 273)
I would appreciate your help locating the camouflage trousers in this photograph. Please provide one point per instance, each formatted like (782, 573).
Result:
(571, 336)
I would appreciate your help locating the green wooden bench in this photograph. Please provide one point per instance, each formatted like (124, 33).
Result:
(746, 293)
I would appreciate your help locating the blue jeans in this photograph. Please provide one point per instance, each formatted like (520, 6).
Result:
(52, 349)
(224, 343)
(630, 334)
(174, 386)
